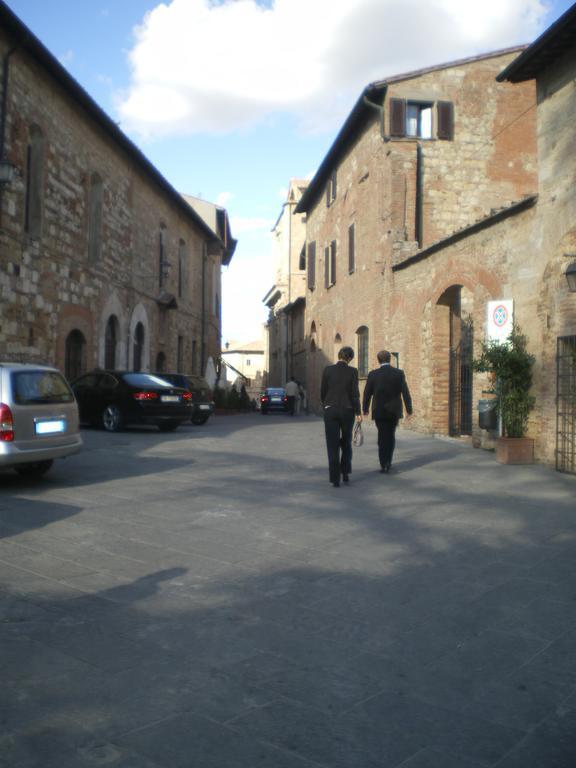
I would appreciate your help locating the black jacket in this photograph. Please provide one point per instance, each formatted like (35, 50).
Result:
(387, 387)
(340, 387)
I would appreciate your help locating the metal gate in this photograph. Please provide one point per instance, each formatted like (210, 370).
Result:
(461, 389)
(566, 405)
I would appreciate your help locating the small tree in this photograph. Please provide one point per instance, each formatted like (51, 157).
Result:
(244, 399)
(511, 364)
(233, 402)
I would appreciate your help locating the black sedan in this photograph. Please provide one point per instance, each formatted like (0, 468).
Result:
(113, 399)
(202, 399)
(273, 399)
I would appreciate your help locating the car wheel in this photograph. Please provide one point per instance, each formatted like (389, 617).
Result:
(112, 418)
(199, 420)
(168, 426)
(36, 469)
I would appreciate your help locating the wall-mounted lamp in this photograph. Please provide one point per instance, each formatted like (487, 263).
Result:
(571, 276)
(7, 171)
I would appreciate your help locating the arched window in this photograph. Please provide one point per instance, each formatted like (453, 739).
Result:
(111, 342)
(95, 218)
(313, 329)
(138, 346)
(363, 354)
(34, 182)
(337, 346)
(160, 362)
(75, 355)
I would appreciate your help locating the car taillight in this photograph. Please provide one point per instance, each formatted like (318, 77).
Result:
(285, 398)
(187, 396)
(263, 399)
(145, 395)
(6, 424)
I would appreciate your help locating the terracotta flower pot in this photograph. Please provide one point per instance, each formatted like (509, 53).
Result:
(515, 450)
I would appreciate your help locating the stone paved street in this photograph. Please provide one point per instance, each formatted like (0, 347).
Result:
(206, 599)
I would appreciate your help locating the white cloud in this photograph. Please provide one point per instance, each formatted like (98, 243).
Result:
(224, 198)
(207, 66)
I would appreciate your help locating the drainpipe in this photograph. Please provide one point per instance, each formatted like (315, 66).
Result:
(203, 323)
(419, 212)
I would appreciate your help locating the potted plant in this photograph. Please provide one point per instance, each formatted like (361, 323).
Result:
(511, 365)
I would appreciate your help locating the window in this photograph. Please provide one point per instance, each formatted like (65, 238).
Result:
(34, 182)
(302, 259)
(110, 342)
(351, 248)
(162, 262)
(75, 355)
(95, 218)
(415, 119)
(330, 264)
(331, 189)
(311, 266)
(138, 346)
(363, 357)
(180, 354)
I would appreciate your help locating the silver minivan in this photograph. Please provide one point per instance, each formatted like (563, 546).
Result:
(38, 418)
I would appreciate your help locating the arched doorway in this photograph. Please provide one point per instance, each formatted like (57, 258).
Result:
(138, 346)
(453, 337)
(75, 355)
(160, 362)
(111, 342)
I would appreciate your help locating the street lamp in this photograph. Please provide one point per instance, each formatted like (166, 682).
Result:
(571, 276)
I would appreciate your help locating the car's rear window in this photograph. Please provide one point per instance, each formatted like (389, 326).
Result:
(33, 387)
(145, 380)
(275, 392)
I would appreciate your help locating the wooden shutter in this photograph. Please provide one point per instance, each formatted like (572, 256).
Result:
(326, 267)
(332, 262)
(328, 192)
(397, 117)
(445, 120)
(311, 266)
(351, 249)
(334, 185)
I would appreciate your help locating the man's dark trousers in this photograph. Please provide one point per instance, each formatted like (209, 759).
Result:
(386, 440)
(291, 404)
(339, 423)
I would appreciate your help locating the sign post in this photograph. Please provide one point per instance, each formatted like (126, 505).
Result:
(500, 320)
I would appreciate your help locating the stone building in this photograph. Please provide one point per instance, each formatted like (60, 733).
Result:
(286, 298)
(421, 157)
(102, 262)
(245, 364)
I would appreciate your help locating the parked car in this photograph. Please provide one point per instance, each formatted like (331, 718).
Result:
(273, 399)
(38, 418)
(202, 397)
(114, 399)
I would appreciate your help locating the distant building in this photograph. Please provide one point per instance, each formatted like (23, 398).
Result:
(102, 262)
(286, 298)
(245, 364)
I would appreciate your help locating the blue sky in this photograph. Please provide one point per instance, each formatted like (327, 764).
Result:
(232, 98)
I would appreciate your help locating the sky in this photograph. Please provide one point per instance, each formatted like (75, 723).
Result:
(230, 99)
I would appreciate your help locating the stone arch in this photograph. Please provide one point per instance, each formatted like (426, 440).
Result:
(75, 355)
(139, 340)
(74, 318)
(113, 308)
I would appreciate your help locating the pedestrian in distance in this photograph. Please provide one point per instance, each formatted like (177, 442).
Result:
(387, 388)
(303, 398)
(292, 394)
(340, 398)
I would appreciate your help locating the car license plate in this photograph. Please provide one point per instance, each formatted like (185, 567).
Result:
(170, 398)
(50, 427)
(204, 407)
(276, 399)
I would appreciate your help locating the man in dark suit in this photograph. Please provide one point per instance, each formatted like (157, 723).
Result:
(341, 403)
(386, 387)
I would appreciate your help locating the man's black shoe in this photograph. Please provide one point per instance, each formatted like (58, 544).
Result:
(345, 478)
(336, 484)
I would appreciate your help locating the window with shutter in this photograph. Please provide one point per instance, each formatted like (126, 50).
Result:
(332, 262)
(397, 117)
(445, 120)
(311, 266)
(326, 267)
(351, 248)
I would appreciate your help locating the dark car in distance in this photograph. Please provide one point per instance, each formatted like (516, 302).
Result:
(114, 399)
(202, 398)
(273, 399)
